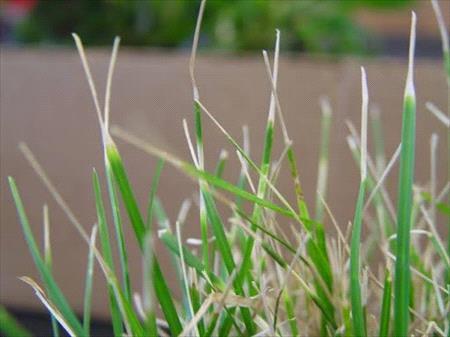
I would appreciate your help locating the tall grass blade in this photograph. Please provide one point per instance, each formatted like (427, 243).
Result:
(359, 322)
(402, 280)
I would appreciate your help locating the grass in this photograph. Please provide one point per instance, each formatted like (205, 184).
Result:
(266, 266)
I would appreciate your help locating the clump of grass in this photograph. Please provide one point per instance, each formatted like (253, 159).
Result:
(273, 271)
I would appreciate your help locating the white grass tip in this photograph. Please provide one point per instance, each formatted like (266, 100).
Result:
(409, 89)
(223, 154)
(434, 139)
(325, 105)
(161, 232)
(112, 64)
(364, 113)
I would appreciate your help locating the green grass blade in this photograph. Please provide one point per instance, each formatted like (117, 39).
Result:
(117, 219)
(9, 327)
(359, 328)
(358, 312)
(165, 299)
(128, 197)
(202, 186)
(386, 306)
(224, 185)
(107, 252)
(53, 290)
(88, 284)
(402, 278)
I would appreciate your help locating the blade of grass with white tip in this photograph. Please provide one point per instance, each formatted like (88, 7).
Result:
(106, 251)
(322, 175)
(359, 321)
(123, 256)
(10, 327)
(54, 292)
(88, 284)
(220, 167)
(385, 314)
(402, 276)
(376, 189)
(48, 260)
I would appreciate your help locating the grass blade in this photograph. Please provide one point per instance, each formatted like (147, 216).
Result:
(386, 306)
(128, 197)
(359, 324)
(402, 265)
(117, 220)
(88, 284)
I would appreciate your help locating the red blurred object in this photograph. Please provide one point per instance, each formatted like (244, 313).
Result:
(23, 6)
(12, 12)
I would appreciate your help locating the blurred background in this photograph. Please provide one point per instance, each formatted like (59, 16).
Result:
(236, 26)
(45, 101)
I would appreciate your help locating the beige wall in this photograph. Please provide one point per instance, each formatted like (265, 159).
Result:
(45, 102)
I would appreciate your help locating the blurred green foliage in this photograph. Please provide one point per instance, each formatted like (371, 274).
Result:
(325, 26)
